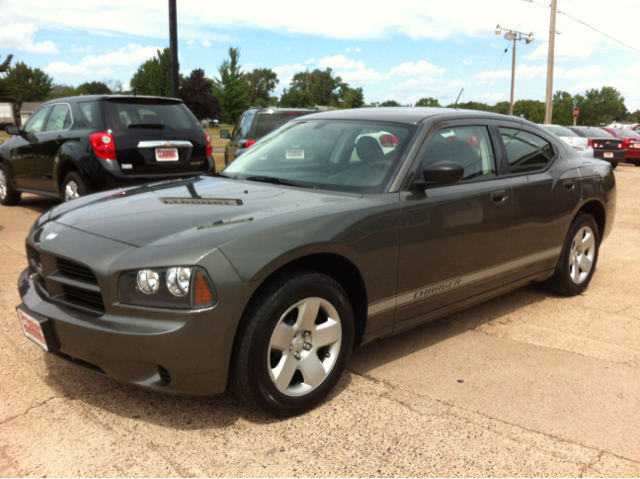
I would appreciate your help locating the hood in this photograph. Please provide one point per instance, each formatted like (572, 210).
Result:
(163, 213)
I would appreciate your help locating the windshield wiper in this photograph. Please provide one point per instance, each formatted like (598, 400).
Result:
(276, 181)
(154, 126)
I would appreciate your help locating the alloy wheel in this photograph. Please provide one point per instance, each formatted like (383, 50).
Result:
(3, 185)
(304, 346)
(583, 251)
(71, 191)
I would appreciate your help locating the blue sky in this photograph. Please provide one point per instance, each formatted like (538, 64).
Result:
(404, 50)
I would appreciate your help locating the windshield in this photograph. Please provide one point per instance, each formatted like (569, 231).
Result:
(627, 134)
(352, 156)
(561, 131)
(595, 133)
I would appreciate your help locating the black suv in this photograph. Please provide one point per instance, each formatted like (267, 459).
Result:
(74, 146)
(255, 123)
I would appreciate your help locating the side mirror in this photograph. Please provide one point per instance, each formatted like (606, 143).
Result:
(13, 130)
(224, 133)
(440, 173)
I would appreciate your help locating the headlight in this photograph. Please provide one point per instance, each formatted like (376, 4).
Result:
(178, 287)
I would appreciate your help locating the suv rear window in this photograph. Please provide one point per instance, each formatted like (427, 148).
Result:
(268, 122)
(149, 113)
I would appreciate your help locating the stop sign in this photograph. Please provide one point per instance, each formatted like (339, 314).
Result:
(576, 112)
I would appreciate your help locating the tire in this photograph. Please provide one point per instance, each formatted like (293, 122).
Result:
(73, 187)
(581, 247)
(277, 365)
(614, 165)
(636, 162)
(8, 196)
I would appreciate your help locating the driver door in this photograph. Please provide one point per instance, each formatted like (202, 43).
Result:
(24, 156)
(454, 239)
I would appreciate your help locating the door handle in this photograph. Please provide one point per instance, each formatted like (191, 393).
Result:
(569, 184)
(499, 196)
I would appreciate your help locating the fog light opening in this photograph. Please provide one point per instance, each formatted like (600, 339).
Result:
(165, 377)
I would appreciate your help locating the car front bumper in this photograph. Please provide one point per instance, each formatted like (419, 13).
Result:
(171, 350)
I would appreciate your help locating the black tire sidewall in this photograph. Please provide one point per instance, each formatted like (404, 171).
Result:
(562, 270)
(264, 322)
(77, 178)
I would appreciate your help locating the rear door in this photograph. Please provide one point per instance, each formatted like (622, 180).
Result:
(545, 193)
(454, 239)
(155, 136)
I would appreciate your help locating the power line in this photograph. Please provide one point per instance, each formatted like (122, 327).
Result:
(585, 24)
(496, 68)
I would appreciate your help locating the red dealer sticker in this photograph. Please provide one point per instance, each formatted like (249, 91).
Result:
(32, 329)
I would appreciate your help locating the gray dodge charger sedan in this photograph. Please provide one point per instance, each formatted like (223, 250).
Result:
(337, 229)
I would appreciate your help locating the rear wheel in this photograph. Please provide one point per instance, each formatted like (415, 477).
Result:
(614, 165)
(294, 345)
(73, 186)
(636, 162)
(8, 196)
(578, 258)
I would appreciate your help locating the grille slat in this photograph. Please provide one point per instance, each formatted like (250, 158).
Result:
(83, 297)
(77, 271)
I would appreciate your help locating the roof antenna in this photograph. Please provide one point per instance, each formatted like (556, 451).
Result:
(456, 103)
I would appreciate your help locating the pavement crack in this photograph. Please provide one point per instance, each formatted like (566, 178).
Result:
(9, 419)
(591, 464)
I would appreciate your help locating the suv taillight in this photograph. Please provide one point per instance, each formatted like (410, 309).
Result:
(209, 147)
(103, 145)
(249, 143)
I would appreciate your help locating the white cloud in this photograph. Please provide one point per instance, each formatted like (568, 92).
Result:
(360, 77)
(131, 55)
(581, 73)
(249, 67)
(339, 62)
(19, 36)
(523, 72)
(189, 42)
(351, 49)
(310, 61)
(414, 86)
(206, 43)
(81, 49)
(467, 62)
(63, 69)
(418, 68)
(357, 50)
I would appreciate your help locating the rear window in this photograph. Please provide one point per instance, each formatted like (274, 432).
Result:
(268, 122)
(92, 113)
(149, 114)
(627, 134)
(595, 133)
(560, 131)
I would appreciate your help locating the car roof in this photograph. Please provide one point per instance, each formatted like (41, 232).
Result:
(110, 97)
(406, 114)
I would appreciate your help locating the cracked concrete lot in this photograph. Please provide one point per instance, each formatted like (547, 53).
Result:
(528, 384)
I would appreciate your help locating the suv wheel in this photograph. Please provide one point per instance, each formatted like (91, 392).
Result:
(73, 186)
(8, 196)
(578, 258)
(295, 344)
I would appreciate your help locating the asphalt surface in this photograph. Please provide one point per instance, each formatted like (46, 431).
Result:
(528, 384)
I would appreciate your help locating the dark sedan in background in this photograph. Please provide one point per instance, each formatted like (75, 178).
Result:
(74, 146)
(605, 145)
(340, 228)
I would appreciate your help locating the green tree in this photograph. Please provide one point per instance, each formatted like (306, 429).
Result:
(390, 103)
(231, 88)
(427, 102)
(352, 98)
(562, 108)
(93, 88)
(635, 116)
(318, 87)
(262, 82)
(196, 92)
(601, 107)
(532, 110)
(502, 107)
(22, 83)
(154, 76)
(60, 91)
(4, 66)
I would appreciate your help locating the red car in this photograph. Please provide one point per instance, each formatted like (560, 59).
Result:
(631, 143)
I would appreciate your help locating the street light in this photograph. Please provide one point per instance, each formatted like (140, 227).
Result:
(515, 36)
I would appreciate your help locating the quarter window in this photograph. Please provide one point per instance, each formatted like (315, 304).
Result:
(526, 152)
(36, 122)
(60, 118)
(469, 146)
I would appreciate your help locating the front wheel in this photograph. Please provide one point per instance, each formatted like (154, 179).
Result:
(294, 345)
(8, 196)
(578, 257)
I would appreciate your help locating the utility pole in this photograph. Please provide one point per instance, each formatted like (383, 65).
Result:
(548, 115)
(173, 47)
(515, 36)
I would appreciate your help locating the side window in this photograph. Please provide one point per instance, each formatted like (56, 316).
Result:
(60, 118)
(526, 152)
(91, 112)
(468, 145)
(244, 131)
(236, 129)
(36, 122)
